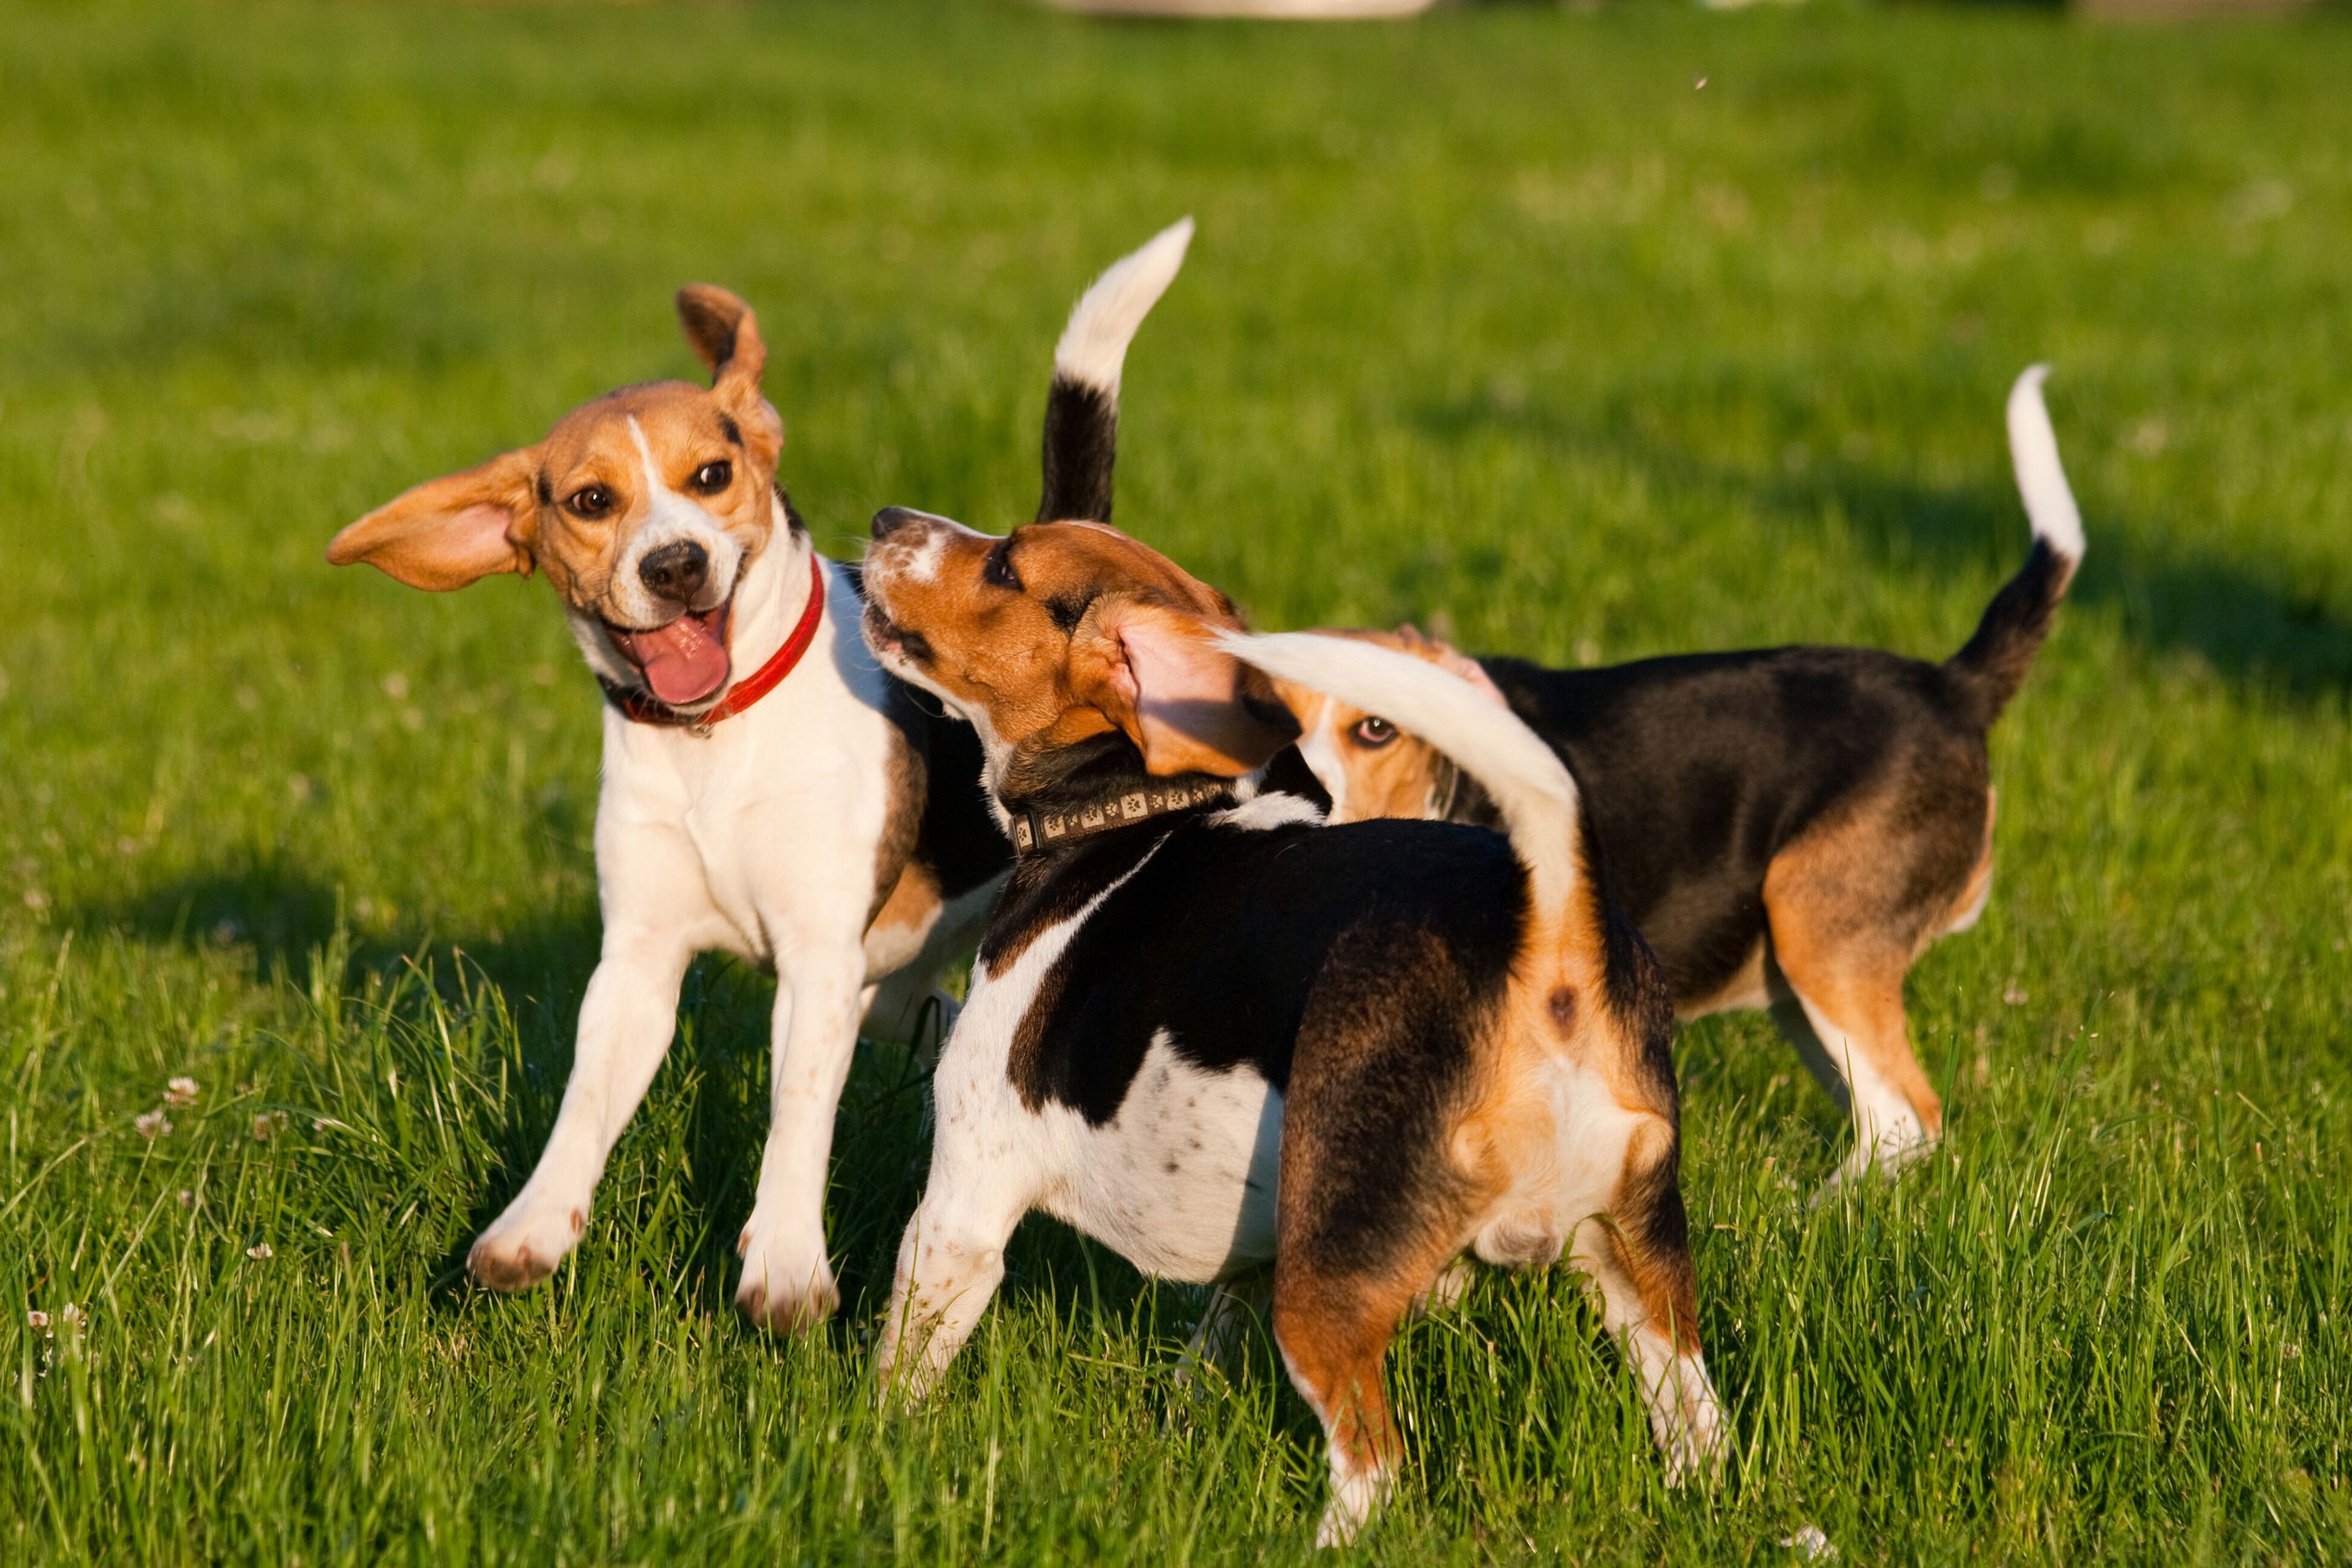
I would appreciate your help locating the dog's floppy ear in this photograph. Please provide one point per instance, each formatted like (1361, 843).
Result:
(725, 338)
(1448, 657)
(450, 531)
(1190, 708)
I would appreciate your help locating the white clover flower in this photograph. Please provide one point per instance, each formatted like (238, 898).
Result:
(259, 1252)
(180, 1092)
(152, 1124)
(37, 1321)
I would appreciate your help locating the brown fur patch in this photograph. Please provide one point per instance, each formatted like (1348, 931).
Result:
(897, 900)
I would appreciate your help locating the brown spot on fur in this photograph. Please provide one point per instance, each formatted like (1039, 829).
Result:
(913, 904)
(1563, 1007)
(905, 895)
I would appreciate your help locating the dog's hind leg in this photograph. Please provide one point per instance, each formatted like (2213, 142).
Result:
(1845, 926)
(1221, 1339)
(1850, 1030)
(1638, 1261)
(1334, 1332)
(908, 1010)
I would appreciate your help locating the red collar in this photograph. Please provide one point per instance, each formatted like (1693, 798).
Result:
(639, 708)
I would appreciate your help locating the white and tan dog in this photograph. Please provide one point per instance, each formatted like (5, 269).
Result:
(768, 791)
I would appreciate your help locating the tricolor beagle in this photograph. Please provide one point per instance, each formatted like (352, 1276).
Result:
(1216, 1034)
(1789, 827)
(767, 790)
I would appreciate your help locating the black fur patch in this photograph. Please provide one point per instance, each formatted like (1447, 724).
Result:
(1236, 940)
(793, 524)
(1081, 448)
(1996, 660)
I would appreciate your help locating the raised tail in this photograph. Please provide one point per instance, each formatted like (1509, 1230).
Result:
(1996, 659)
(1530, 788)
(1082, 405)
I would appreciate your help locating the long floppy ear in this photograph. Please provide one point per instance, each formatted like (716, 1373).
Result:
(450, 531)
(726, 336)
(1188, 707)
(1449, 657)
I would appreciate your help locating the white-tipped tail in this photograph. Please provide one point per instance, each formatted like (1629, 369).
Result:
(2034, 446)
(1094, 346)
(1523, 775)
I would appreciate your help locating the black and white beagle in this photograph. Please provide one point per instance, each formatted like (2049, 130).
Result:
(1218, 1035)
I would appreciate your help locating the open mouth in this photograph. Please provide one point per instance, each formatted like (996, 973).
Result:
(685, 662)
(888, 638)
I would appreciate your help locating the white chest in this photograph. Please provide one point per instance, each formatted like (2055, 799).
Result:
(767, 830)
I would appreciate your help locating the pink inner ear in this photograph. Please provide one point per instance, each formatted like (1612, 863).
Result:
(1179, 681)
(474, 541)
(1472, 671)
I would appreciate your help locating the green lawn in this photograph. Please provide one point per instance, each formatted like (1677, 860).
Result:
(1507, 321)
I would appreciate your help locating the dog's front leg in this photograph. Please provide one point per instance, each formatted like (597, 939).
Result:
(787, 1283)
(626, 1023)
(949, 1263)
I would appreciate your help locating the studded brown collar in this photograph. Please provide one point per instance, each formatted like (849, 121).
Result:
(1033, 830)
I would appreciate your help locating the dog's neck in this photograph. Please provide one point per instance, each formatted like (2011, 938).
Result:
(770, 596)
(1096, 787)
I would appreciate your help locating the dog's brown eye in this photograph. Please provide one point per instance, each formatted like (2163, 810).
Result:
(713, 477)
(589, 501)
(1374, 732)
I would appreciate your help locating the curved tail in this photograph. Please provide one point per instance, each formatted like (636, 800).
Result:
(1996, 659)
(1082, 405)
(1532, 791)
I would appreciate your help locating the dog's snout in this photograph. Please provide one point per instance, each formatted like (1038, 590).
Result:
(676, 571)
(890, 519)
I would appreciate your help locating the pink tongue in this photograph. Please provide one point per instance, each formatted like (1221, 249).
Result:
(682, 661)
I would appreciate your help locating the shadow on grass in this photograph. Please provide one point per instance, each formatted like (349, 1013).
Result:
(2253, 628)
(529, 979)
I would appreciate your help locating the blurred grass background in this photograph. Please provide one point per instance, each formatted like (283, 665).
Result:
(1582, 336)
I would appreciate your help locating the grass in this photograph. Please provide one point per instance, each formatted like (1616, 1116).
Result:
(1585, 336)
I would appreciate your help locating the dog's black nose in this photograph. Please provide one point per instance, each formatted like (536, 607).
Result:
(889, 520)
(676, 571)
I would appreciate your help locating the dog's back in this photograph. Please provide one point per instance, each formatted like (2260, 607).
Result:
(1700, 769)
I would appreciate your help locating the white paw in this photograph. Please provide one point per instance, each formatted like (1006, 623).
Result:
(525, 1243)
(1355, 1494)
(903, 1373)
(1893, 1148)
(787, 1285)
(1689, 1433)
